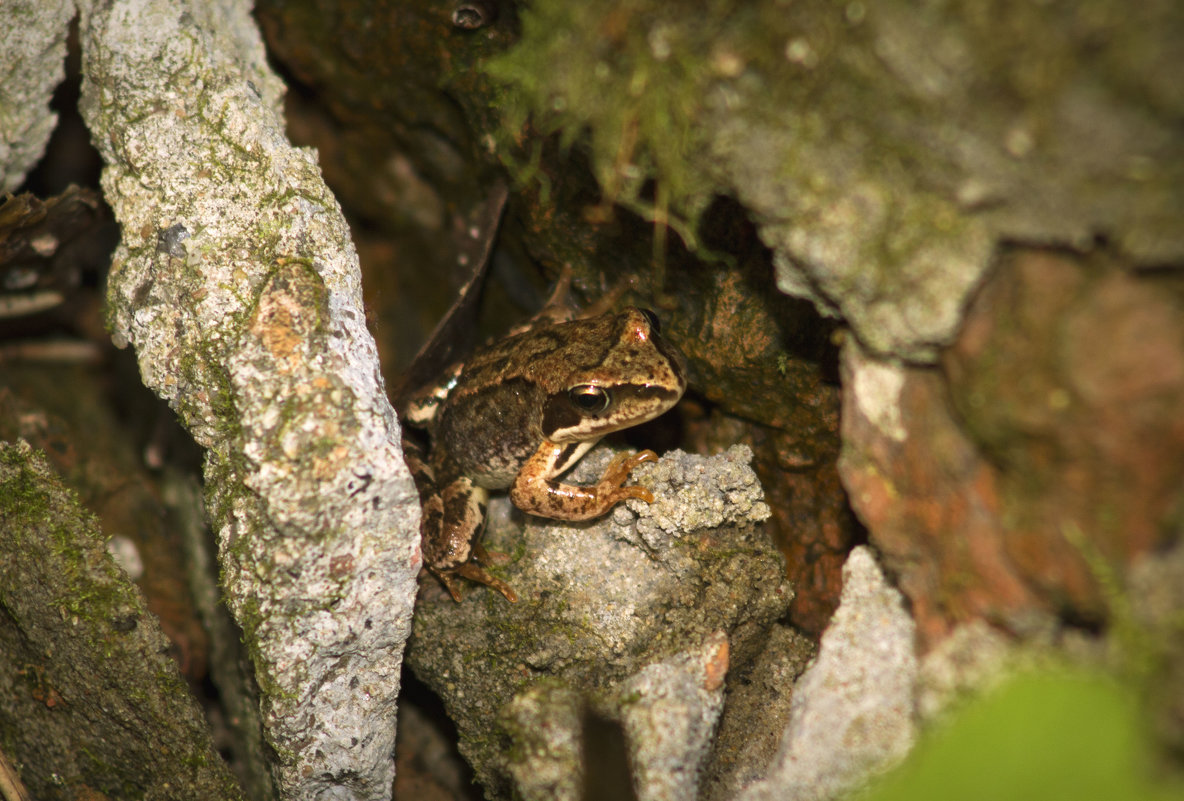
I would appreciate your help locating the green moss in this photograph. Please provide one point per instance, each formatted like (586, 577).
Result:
(200, 367)
(271, 689)
(21, 494)
(629, 81)
(1142, 648)
(108, 776)
(27, 506)
(628, 699)
(73, 600)
(249, 617)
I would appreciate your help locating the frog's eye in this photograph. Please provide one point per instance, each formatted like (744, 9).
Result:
(589, 399)
(652, 319)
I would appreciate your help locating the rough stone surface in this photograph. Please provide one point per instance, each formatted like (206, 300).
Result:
(610, 621)
(852, 711)
(34, 36)
(688, 502)
(667, 714)
(917, 144)
(670, 710)
(993, 485)
(545, 720)
(236, 282)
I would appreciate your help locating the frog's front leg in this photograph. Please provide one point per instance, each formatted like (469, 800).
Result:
(453, 518)
(536, 491)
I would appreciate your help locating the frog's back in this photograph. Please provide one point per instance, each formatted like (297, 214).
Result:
(546, 356)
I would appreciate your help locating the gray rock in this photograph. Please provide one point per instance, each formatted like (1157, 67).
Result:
(545, 724)
(852, 713)
(670, 710)
(885, 171)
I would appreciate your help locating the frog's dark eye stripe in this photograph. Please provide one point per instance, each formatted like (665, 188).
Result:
(589, 399)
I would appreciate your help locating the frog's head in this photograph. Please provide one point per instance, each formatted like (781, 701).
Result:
(638, 376)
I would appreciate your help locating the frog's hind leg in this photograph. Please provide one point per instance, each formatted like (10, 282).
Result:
(448, 580)
(474, 572)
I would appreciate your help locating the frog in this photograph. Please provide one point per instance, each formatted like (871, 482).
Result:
(521, 412)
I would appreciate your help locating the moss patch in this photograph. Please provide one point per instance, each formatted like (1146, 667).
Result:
(629, 80)
(88, 696)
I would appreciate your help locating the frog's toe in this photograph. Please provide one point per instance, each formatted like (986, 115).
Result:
(623, 464)
(617, 474)
(633, 491)
(449, 581)
(487, 557)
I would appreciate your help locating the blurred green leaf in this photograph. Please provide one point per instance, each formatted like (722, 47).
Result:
(1041, 737)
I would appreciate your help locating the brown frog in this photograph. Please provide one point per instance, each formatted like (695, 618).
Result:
(519, 413)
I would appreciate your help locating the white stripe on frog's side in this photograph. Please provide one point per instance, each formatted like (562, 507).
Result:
(422, 408)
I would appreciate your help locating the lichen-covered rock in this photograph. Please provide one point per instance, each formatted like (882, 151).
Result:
(237, 284)
(601, 608)
(901, 145)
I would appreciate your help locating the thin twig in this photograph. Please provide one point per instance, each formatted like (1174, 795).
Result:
(11, 786)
